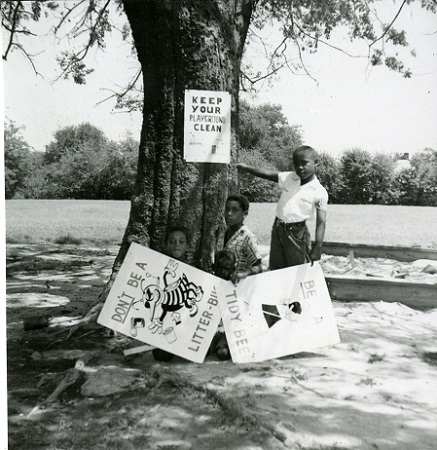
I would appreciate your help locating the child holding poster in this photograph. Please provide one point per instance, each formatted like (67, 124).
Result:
(240, 240)
(176, 245)
(240, 253)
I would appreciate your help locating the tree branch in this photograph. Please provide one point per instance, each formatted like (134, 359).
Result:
(12, 32)
(326, 43)
(391, 24)
(302, 62)
(253, 81)
(130, 86)
(81, 54)
(29, 57)
(55, 29)
(260, 39)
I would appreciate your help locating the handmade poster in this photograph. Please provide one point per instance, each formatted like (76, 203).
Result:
(207, 126)
(278, 313)
(163, 302)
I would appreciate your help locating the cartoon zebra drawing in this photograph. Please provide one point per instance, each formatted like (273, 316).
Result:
(173, 297)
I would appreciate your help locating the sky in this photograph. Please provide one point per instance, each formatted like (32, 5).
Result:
(348, 105)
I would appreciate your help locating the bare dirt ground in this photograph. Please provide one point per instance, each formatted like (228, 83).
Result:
(375, 390)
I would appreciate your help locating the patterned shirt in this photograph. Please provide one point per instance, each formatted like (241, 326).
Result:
(244, 245)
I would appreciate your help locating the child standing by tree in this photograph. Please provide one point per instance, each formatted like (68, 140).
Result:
(176, 245)
(302, 196)
(239, 258)
(240, 240)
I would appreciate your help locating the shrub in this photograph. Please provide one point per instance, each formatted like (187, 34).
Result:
(67, 240)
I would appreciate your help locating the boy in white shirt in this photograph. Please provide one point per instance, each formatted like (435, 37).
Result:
(302, 197)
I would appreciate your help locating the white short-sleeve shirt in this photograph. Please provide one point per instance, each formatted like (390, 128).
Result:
(298, 203)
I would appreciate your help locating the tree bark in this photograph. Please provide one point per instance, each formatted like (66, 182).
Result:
(182, 44)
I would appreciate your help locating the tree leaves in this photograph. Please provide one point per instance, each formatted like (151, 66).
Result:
(308, 24)
(17, 158)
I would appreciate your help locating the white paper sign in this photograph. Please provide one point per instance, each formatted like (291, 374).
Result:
(207, 126)
(163, 302)
(278, 313)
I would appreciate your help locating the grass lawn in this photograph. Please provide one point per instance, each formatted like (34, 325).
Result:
(98, 222)
(103, 222)
(362, 224)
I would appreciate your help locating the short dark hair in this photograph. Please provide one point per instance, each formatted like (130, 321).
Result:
(224, 256)
(241, 199)
(175, 228)
(306, 149)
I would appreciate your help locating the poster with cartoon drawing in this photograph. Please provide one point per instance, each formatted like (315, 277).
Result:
(278, 313)
(163, 302)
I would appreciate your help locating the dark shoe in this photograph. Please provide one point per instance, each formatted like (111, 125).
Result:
(162, 355)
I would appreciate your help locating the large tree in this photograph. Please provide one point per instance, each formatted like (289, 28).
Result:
(198, 44)
(182, 45)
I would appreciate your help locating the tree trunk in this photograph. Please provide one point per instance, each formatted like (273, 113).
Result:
(182, 44)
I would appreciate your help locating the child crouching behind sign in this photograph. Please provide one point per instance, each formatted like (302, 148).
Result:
(176, 245)
(224, 267)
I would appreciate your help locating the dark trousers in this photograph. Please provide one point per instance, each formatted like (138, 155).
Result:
(290, 245)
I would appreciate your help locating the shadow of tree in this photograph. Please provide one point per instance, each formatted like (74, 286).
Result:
(375, 390)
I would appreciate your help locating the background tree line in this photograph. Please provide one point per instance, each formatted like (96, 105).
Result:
(357, 177)
(82, 163)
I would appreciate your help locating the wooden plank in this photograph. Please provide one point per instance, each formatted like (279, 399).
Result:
(352, 259)
(414, 295)
(139, 349)
(406, 254)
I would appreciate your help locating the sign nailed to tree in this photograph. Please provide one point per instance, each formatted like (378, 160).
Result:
(207, 127)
